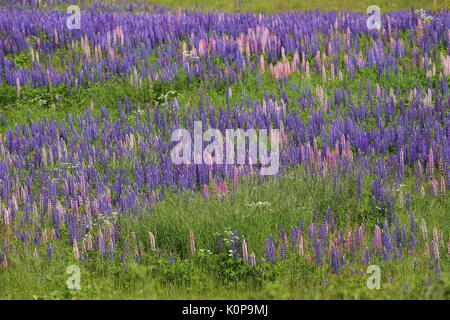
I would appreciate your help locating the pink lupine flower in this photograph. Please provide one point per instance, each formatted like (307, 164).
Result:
(5, 261)
(152, 241)
(88, 208)
(349, 239)
(434, 187)
(422, 192)
(445, 65)
(235, 176)
(54, 237)
(202, 47)
(430, 164)
(307, 70)
(436, 236)
(76, 251)
(6, 217)
(262, 64)
(377, 239)
(360, 235)
(18, 87)
(378, 90)
(324, 74)
(192, 242)
(301, 251)
(244, 251)
(136, 252)
(35, 254)
(89, 242)
(205, 191)
(442, 183)
(44, 236)
(252, 259)
(217, 189)
(224, 187)
(317, 58)
(424, 231)
(419, 30)
(152, 196)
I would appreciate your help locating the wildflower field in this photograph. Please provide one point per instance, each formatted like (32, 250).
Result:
(93, 206)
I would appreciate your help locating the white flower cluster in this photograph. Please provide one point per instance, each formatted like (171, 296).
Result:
(258, 204)
(426, 19)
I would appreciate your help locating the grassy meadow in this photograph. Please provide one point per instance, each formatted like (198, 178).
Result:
(84, 180)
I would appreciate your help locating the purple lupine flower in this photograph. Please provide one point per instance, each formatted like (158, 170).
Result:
(434, 251)
(385, 255)
(366, 259)
(335, 260)
(126, 247)
(408, 201)
(324, 233)
(49, 252)
(318, 253)
(413, 224)
(359, 186)
(387, 240)
(101, 244)
(171, 259)
(270, 250)
(412, 243)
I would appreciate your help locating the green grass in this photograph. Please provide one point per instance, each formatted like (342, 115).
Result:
(272, 6)
(292, 197)
(217, 276)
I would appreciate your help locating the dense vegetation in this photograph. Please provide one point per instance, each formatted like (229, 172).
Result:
(86, 176)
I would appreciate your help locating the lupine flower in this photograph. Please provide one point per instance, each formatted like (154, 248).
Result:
(360, 235)
(5, 261)
(252, 259)
(412, 243)
(76, 251)
(301, 251)
(18, 87)
(192, 242)
(377, 238)
(101, 244)
(244, 251)
(334, 259)
(270, 250)
(152, 241)
(366, 257)
(442, 184)
(137, 257)
(434, 250)
(205, 191)
(49, 252)
(424, 231)
(235, 176)
(318, 253)
(359, 186)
